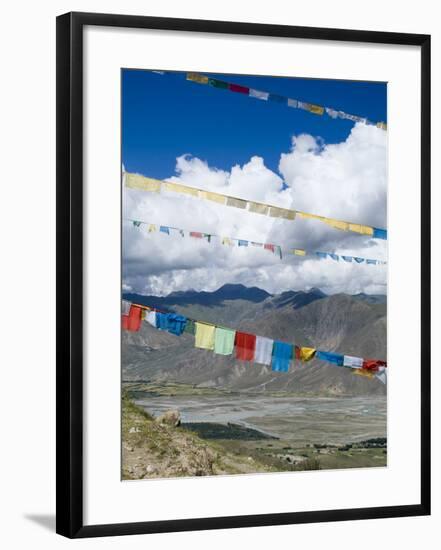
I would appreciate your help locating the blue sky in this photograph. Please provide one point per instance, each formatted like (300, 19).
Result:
(245, 147)
(166, 116)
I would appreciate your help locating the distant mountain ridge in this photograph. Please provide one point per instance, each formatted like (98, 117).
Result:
(353, 325)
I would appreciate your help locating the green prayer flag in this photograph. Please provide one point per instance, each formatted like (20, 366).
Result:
(217, 83)
(224, 341)
(190, 327)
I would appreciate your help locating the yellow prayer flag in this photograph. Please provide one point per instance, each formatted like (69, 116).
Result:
(299, 252)
(363, 372)
(308, 216)
(135, 181)
(276, 212)
(257, 208)
(196, 77)
(226, 241)
(204, 336)
(237, 203)
(179, 188)
(151, 228)
(337, 224)
(210, 196)
(316, 109)
(306, 354)
(363, 229)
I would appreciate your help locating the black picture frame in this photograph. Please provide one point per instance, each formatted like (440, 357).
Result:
(69, 293)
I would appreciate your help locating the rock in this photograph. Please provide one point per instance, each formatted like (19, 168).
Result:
(134, 430)
(150, 469)
(171, 418)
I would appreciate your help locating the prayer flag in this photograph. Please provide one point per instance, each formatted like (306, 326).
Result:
(264, 350)
(358, 260)
(178, 188)
(277, 98)
(164, 229)
(306, 354)
(353, 362)
(366, 373)
(337, 224)
(373, 364)
(382, 375)
(245, 346)
(171, 322)
(151, 318)
(269, 246)
(125, 308)
(330, 357)
(321, 254)
(136, 224)
(132, 321)
(332, 112)
(276, 212)
(282, 355)
(382, 125)
(293, 103)
(215, 197)
(259, 95)
(204, 337)
(195, 77)
(316, 109)
(196, 234)
(224, 341)
(151, 228)
(379, 233)
(303, 105)
(239, 89)
(363, 229)
(257, 208)
(299, 252)
(217, 83)
(242, 243)
(258, 245)
(237, 203)
(190, 327)
(373, 262)
(347, 258)
(135, 181)
(226, 241)
(334, 256)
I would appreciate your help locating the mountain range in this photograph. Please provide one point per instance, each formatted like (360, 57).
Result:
(349, 324)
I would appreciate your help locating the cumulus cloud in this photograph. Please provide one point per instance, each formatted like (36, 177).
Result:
(347, 180)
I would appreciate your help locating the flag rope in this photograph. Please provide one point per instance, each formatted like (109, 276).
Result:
(143, 183)
(276, 98)
(271, 247)
(360, 366)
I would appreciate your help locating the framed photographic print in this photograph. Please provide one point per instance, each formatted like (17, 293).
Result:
(243, 288)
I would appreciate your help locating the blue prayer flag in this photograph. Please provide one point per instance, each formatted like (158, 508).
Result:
(282, 355)
(242, 243)
(373, 262)
(164, 229)
(330, 357)
(334, 257)
(379, 233)
(347, 258)
(321, 254)
(358, 260)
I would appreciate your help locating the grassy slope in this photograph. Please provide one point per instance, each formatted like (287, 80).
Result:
(152, 450)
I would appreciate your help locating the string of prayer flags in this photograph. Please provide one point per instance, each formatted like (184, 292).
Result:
(232, 241)
(247, 347)
(276, 98)
(136, 181)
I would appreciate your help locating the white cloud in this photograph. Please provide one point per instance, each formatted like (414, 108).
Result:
(345, 180)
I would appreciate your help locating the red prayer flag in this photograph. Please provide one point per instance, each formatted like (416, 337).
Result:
(132, 321)
(373, 364)
(196, 234)
(269, 247)
(245, 346)
(239, 89)
(297, 352)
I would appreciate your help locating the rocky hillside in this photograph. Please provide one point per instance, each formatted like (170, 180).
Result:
(159, 448)
(355, 325)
